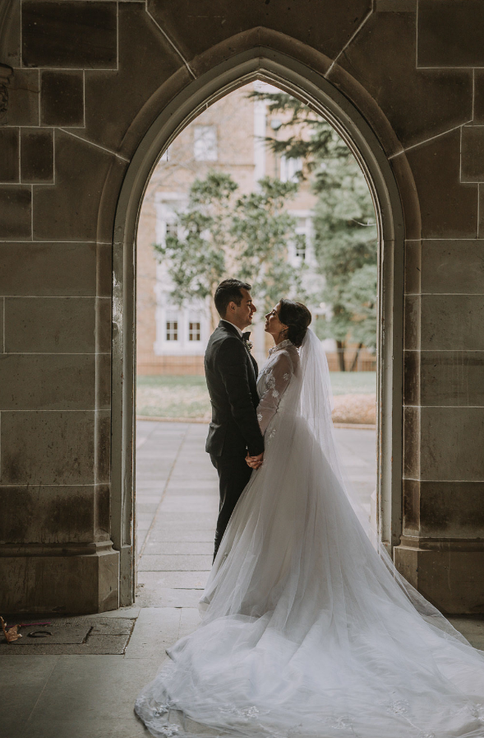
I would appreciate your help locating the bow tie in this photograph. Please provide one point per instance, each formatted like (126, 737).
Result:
(246, 336)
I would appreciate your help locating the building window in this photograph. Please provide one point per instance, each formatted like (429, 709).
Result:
(194, 332)
(290, 169)
(172, 330)
(205, 143)
(301, 248)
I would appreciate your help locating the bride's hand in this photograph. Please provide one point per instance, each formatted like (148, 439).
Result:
(254, 461)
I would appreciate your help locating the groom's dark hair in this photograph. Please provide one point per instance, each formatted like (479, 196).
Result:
(229, 291)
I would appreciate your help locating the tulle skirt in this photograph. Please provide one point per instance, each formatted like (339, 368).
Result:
(307, 630)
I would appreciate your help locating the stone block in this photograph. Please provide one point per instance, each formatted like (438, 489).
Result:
(50, 515)
(49, 382)
(195, 29)
(11, 33)
(451, 443)
(60, 584)
(411, 377)
(47, 447)
(146, 61)
(411, 442)
(452, 322)
(439, 100)
(451, 509)
(47, 268)
(451, 578)
(450, 33)
(103, 446)
(448, 208)
(413, 267)
(69, 34)
(62, 99)
(69, 209)
(37, 155)
(15, 212)
(408, 195)
(412, 322)
(50, 325)
(472, 169)
(23, 98)
(480, 224)
(452, 266)
(411, 506)
(9, 168)
(452, 378)
(479, 96)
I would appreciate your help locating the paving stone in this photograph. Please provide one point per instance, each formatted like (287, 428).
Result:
(179, 547)
(150, 594)
(156, 628)
(181, 534)
(173, 562)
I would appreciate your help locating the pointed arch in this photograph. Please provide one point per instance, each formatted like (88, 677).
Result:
(301, 81)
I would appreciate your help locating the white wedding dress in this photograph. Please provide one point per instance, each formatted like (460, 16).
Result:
(308, 631)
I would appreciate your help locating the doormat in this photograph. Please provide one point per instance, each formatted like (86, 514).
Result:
(64, 636)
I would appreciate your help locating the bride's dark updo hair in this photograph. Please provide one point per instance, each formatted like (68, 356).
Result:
(297, 318)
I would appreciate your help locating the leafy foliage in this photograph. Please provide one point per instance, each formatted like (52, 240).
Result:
(344, 230)
(222, 235)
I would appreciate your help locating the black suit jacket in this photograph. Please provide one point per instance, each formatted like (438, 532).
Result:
(231, 374)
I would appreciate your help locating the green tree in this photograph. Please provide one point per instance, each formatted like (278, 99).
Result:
(221, 235)
(344, 230)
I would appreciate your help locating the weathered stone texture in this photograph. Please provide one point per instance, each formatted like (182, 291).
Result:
(50, 324)
(382, 59)
(62, 98)
(37, 155)
(23, 93)
(450, 33)
(452, 266)
(69, 34)
(28, 268)
(473, 154)
(15, 212)
(326, 27)
(146, 61)
(452, 439)
(452, 322)
(50, 447)
(448, 208)
(9, 146)
(69, 209)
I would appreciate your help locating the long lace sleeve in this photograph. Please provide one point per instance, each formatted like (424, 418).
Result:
(278, 378)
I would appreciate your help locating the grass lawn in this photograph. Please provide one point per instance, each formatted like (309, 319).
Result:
(172, 396)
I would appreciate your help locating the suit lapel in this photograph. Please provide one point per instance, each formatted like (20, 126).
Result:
(252, 362)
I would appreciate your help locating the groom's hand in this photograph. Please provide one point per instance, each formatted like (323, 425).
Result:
(254, 461)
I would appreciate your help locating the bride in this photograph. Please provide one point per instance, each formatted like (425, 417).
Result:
(308, 630)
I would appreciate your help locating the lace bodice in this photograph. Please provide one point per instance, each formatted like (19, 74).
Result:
(274, 380)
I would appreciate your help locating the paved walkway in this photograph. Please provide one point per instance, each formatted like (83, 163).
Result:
(92, 696)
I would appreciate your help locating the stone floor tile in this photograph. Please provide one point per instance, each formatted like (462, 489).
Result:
(150, 595)
(174, 562)
(180, 534)
(91, 687)
(189, 621)
(127, 727)
(176, 579)
(174, 548)
(155, 630)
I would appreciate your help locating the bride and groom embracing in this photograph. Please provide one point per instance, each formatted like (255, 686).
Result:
(308, 630)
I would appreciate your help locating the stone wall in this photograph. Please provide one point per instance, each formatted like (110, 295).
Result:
(85, 79)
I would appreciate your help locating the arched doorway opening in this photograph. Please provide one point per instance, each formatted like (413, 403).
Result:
(322, 97)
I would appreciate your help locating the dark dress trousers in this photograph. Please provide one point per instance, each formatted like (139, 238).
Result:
(231, 374)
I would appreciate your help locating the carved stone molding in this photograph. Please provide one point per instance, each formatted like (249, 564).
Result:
(5, 75)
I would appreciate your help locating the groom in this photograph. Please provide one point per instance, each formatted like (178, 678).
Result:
(231, 374)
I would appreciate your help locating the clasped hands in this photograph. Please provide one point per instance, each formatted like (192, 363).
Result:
(254, 461)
